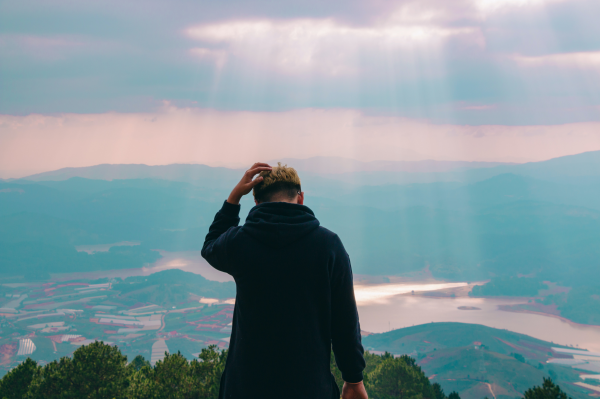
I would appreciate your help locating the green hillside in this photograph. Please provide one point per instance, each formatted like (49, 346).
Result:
(472, 359)
(170, 287)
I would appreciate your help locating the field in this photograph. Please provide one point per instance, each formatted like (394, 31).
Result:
(133, 314)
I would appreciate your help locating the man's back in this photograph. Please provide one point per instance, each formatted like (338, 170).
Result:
(294, 300)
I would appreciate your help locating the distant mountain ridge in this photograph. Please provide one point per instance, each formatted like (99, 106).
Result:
(175, 172)
(337, 165)
(347, 171)
(505, 224)
(563, 169)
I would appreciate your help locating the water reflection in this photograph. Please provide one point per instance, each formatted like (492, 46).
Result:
(406, 310)
(383, 293)
(385, 306)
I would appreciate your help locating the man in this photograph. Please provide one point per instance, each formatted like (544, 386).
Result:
(295, 298)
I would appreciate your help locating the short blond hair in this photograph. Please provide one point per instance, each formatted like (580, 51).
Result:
(281, 179)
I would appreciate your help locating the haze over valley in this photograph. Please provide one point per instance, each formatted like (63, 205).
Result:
(104, 252)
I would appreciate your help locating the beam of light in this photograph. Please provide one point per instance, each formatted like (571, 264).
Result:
(583, 60)
(492, 6)
(321, 45)
(205, 136)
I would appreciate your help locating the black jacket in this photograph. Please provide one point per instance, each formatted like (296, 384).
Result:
(295, 301)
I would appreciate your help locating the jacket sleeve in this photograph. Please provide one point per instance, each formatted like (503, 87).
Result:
(345, 327)
(214, 249)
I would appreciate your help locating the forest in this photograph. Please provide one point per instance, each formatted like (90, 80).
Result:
(100, 371)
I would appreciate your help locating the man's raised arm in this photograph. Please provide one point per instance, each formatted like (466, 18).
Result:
(214, 249)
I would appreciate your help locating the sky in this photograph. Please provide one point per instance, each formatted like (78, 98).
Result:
(232, 82)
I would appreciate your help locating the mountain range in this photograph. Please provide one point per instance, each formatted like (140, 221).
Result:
(565, 168)
(540, 219)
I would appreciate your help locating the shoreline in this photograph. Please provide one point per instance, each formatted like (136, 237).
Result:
(507, 308)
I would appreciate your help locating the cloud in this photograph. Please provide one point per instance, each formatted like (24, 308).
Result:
(477, 107)
(180, 135)
(45, 48)
(581, 60)
(495, 6)
(460, 61)
(415, 29)
(323, 45)
(218, 57)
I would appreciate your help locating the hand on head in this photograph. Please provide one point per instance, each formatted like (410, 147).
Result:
(247, 183)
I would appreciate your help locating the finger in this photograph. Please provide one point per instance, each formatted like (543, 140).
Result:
(256, 181)
(259, 169)
(262, 165)
(257, 164)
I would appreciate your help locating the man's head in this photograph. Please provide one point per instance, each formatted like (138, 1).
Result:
(281, 184)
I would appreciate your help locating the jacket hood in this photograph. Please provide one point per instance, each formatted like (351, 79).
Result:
(278, 224)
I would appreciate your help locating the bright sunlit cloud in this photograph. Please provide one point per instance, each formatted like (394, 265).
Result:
(583, 60)
(491, 6)
(477, 62)
(323, 45)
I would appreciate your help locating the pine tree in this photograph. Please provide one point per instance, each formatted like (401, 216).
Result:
(208, 371)
(52, 381)
(15, 384)
(438, 391)
(172, 377)
(399, 378)
(548, 390)
(138, 362)
(175, 377)
(97, 371)
(453, 395)
(142, 384)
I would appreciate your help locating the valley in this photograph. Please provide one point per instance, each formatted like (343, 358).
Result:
(507, 252)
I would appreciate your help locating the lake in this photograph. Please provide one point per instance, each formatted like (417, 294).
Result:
(390, 306)
(389, 311)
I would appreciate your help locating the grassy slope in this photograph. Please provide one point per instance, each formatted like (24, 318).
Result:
(447, 354)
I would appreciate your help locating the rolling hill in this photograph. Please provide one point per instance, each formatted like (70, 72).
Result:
(477, 361)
